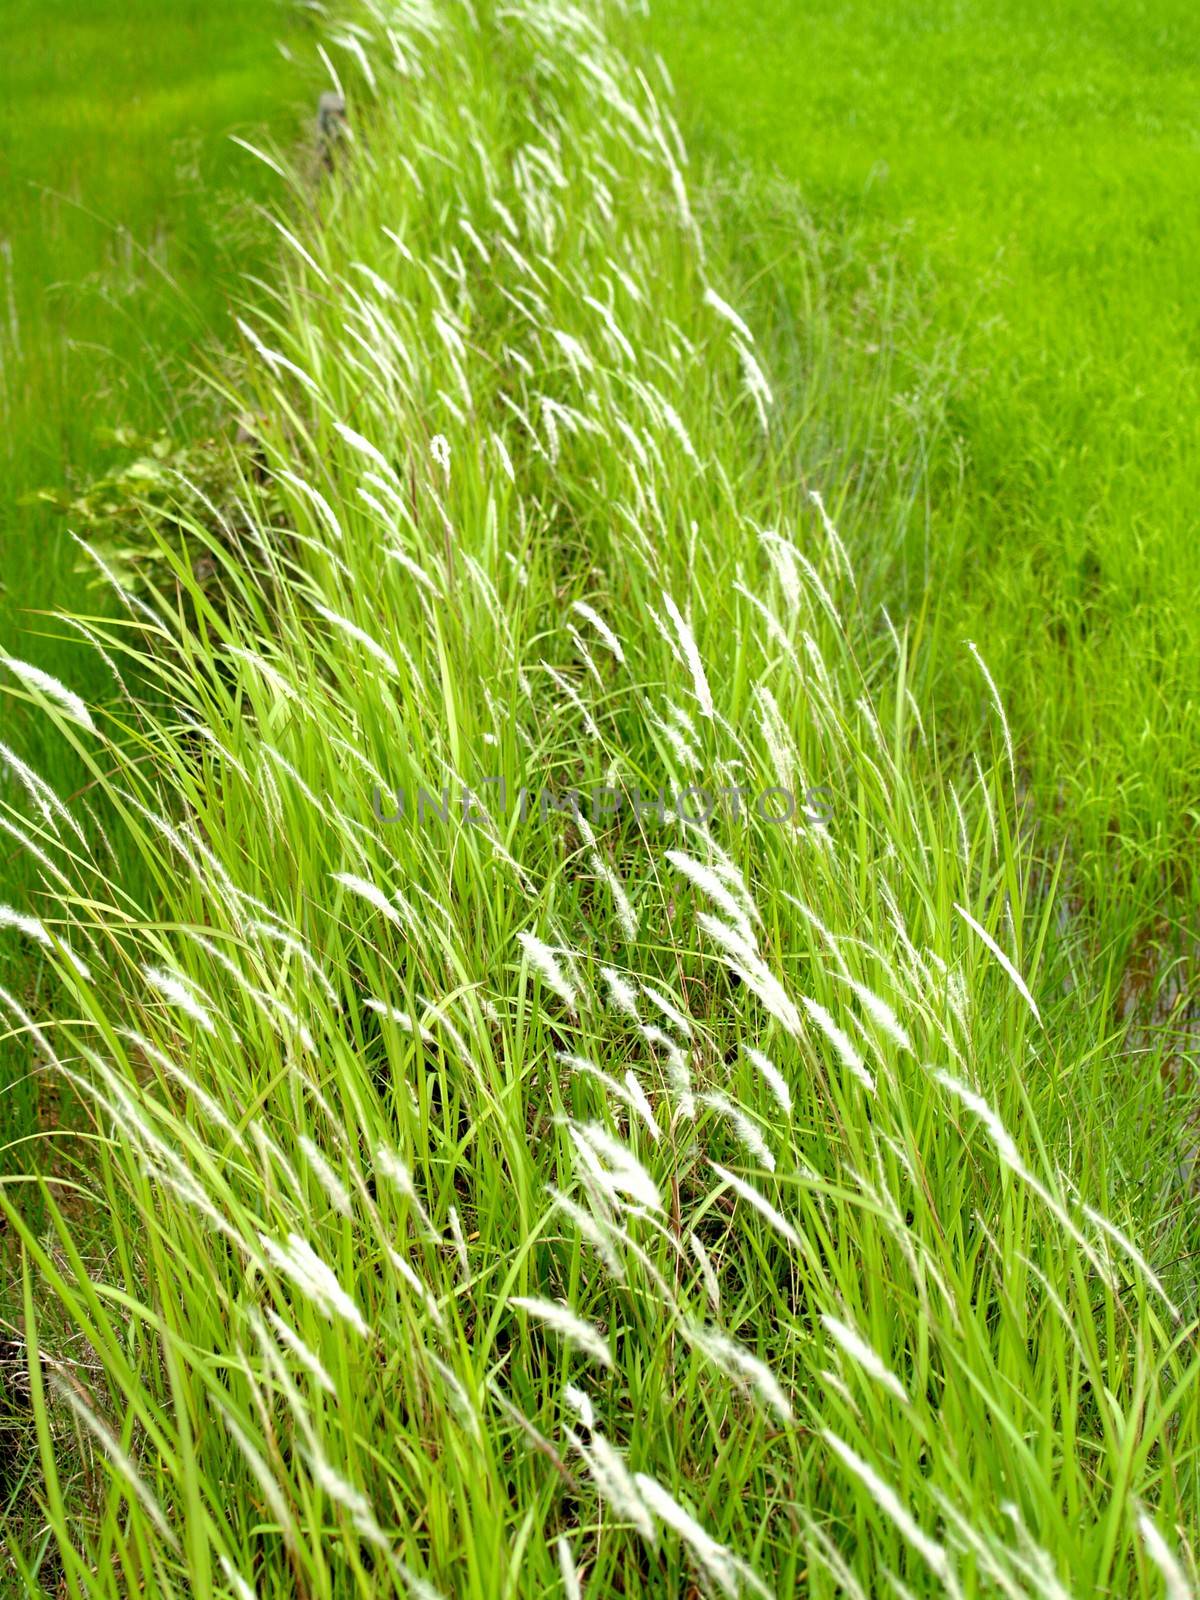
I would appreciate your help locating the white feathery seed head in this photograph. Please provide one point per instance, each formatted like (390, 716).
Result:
(562, 1320)
(65, 699)
(845, 1051)
(771, 1076)
(178, 993)
(691, 654)
(545, 962)
(860, 1352)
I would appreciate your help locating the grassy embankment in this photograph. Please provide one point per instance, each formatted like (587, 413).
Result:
(578, 1202)
(126, 220)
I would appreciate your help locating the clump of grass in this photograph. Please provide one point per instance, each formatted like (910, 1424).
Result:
(530, 1197)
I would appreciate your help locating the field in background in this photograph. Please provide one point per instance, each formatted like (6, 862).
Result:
(126, 220)
(1027, 177)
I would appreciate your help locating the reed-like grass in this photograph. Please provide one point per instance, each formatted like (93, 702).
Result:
(537, 1198)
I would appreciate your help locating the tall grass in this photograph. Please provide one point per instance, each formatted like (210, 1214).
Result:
(527, 1196)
